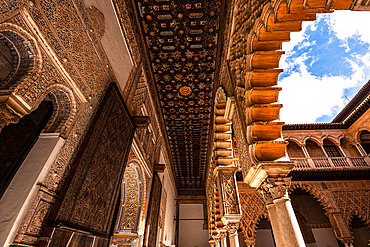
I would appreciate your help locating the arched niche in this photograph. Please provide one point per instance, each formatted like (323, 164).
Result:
(315, 225)
(21, 64)
(364, 138)
(131, 199)
(314, 150)
(331, 149)
(294, 150)
(349, 148)
(360, 230)
(22, 58)
(64, 109)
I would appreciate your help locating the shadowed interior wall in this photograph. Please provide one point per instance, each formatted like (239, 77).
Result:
(191, 229)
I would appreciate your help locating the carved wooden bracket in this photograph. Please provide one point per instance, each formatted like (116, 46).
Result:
(159, 168)
(141, 122)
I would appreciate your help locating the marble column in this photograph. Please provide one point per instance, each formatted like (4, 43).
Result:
(274, 218)
(291, 232)
(275, 224)
(232, 229)
(360, 149)
(223, 236)
(348, 244)
(211, 243)
(305, 151)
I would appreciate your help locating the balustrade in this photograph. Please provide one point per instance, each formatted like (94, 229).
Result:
(330, 162)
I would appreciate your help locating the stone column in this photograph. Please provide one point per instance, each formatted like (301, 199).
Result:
(217, 240)
(323, 149)
(288, 222)
(275, 224)
(348, 243)
(212, 243)
(274, 218)
(305, 151)
(223, 236)
(360, 149)
(232, 229)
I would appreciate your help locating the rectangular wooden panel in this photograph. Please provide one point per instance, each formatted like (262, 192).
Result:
(92, 186)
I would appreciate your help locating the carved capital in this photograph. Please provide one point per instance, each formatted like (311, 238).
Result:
(232, 228)
(223, 234)
(280, 186)
(274, 188)
(8, 116)
(265, 194)
(230, 108)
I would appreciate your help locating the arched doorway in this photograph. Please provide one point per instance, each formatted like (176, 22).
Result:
(315, 226)
(365, 141)
(360, 231)
(16, 141)
(264, 236)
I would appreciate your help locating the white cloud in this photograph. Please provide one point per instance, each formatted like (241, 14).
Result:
(346, 24)
(306, 97)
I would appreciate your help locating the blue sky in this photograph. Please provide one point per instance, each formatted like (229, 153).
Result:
(325, 65)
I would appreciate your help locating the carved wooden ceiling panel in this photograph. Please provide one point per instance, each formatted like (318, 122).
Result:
(181, 41)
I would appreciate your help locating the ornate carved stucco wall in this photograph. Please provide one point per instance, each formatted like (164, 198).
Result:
(341, 199)
(71, 67)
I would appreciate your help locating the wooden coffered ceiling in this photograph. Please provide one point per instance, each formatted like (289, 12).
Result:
(181, 41)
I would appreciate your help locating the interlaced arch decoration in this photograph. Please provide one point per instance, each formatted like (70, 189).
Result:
(27, 58)
(64, 108)
(27, 64)
(321, 198)
(25, 67)
(253, 209)
(353, 203)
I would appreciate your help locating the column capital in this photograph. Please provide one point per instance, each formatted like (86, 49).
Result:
(223, 234)
(232, 228)
(277, 169)
(274, 188)
(212, 242)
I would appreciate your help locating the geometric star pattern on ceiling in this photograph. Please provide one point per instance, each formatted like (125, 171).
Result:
(181, 38)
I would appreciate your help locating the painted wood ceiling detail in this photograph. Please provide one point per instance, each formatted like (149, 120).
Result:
(181, 38)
